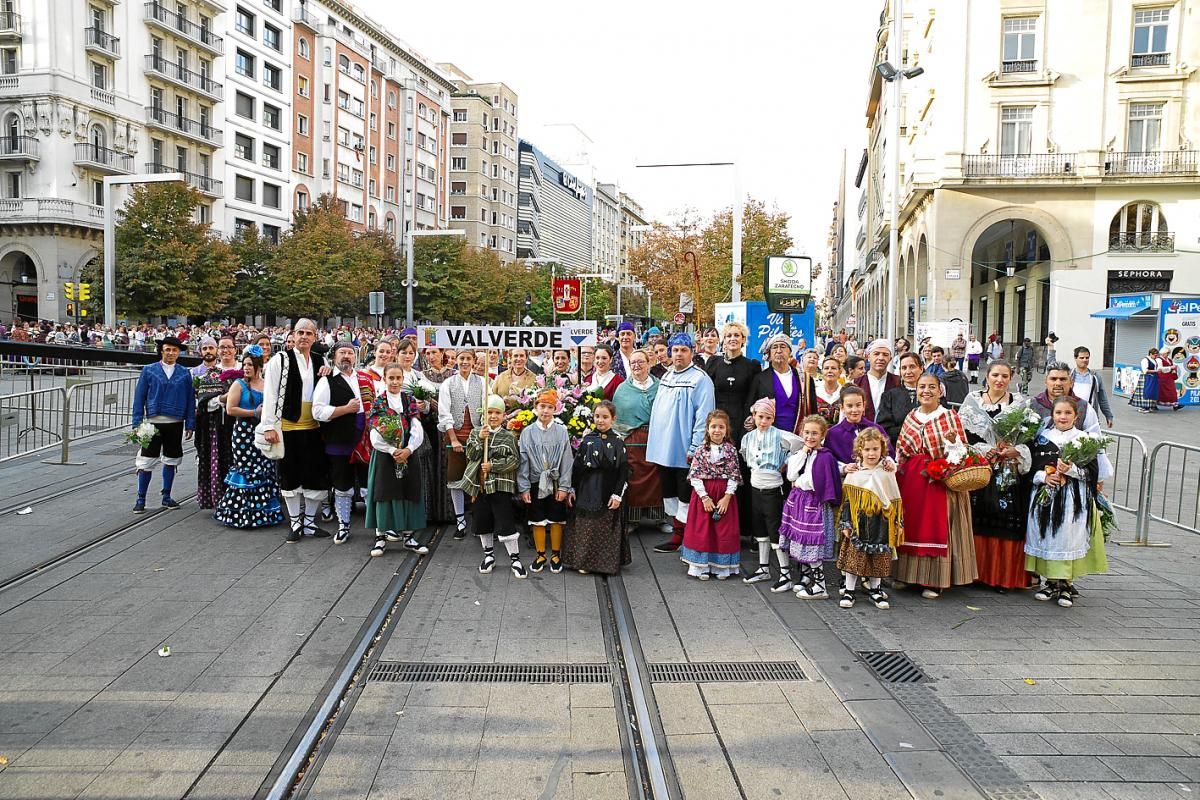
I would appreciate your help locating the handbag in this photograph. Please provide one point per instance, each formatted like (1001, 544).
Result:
(274, 450)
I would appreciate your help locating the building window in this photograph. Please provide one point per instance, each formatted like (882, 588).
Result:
(1150, 29)
(391, 99)
(303, 48)
(272, 37)
(390, 225)
(302, 201)
(241, 226)
(458, 187)
(371, 219)
(244, 106)
(270, 156)
(1016, 130)
(243, 21)
(9, 65)
(271, 232)
(458, 140)
(273, 76)
(458, 163)
(99, 76)
(244, 64)
(244, 188)
(458, 212)
(1020, 45)
(302, 125)
(302, 163)
(391, 162)
(391, 194)
(374, 121)
(12, 185)
(372, 188)
(1140, 227)
(460, 115)
(373, 155)
(243, 147)
(302, 86)
(391, 130)
(356, 212)
(270, 195)
(272, 117)
(1145, 127)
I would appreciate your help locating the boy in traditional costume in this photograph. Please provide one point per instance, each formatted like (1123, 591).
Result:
(764, 451)
(544, 479)
(489, 478)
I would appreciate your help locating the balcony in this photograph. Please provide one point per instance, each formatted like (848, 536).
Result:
(50, 210)
(1150, 60)
(160, 67)
(203, 183)
(1142, 242)
(1029, 165)
(10, 26)
(1025, 65)
(18, 148)
(301, 15)
(101, 159)
(101, 43)
(1166, 163)
(182, 126)
(102, 96)
(172, 23)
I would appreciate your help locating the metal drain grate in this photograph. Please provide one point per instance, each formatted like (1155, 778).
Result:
(892, 666)
(416, 672)
(726, 672)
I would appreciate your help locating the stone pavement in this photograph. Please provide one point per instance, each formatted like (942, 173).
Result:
(1098, 701)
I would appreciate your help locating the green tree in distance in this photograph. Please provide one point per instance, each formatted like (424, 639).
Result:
(322, 266)
(167, 263)
(252, 290)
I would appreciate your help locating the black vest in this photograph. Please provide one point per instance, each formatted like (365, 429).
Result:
(295, 387)
(343, 429)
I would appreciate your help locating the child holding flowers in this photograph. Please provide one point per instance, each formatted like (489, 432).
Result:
(1065, 539)
(395, 506)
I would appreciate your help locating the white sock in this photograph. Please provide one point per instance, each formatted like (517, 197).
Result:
(681, 512)
(292, 501)
(781, 555)
(488, 541)
(670, 505)
(456, 497)
(873, 583)
(764, 552)
(512, 545)
(342, 502)
(851, 581)
(312, 505)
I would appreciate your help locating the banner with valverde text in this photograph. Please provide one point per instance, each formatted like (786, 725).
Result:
(496, 337)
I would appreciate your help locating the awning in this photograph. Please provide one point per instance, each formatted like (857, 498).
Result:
(1121, 312)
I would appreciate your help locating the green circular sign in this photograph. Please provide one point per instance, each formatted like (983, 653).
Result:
(788, 268)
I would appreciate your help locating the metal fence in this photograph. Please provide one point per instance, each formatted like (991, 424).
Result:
(1170, 491)
(1128, 457)
(42, 419)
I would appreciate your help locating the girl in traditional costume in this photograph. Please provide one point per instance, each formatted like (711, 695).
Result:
(711, 537)
(596, 540)
(806, 533)
(395, 504)
(1065, 540)
(871, 520)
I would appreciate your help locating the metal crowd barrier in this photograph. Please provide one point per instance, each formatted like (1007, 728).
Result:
(1174, 505)
(1128, 456)
(31, 421)
(42, 419)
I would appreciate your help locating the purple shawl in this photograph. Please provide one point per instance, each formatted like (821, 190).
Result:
(827, 483)
(840, 439)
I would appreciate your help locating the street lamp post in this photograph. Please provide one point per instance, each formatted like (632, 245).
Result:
(894, 76)
(583, 279)
(738, 210)
(409, 283)
(553, 265)
(110, 234)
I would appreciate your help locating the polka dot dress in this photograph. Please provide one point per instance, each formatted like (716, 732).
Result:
(251, 498)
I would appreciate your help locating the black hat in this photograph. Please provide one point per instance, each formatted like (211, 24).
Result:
(171, 340)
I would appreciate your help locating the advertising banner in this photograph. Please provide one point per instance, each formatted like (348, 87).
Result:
(764, 324)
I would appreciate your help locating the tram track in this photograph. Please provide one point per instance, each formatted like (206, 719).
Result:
(62, 491)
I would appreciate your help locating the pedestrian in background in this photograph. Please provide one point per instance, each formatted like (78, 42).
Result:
(1025, 357)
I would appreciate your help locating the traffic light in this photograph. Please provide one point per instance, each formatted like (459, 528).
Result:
(70, 308)
(83, 312)
(85, 291)
(528, 300)
(69, 290)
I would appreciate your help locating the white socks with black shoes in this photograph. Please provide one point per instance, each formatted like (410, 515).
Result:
(785, 572)
(763, 573)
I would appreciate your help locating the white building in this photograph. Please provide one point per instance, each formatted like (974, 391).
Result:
(606, 232)
(1048, 159)
(554, 212)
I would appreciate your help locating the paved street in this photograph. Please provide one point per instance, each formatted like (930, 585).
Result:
(1023, 699)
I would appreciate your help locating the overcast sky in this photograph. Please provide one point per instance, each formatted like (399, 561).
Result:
(778, 87)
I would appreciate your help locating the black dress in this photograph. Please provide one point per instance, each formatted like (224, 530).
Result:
(731, 385)
(894, 406)
(596, 540)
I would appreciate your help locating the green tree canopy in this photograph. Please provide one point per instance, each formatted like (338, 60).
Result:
(252, 290)
(167, 263)
(322, 266)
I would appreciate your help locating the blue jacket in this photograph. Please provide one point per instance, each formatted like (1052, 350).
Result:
(155, 395)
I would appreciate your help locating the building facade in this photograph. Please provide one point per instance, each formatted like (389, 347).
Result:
(1038, 177)
(633, 223)
(554, 213)
(483, 163)
(606, 232)
(262, 106)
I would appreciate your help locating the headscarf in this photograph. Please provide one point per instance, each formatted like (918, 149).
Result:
(625, 326)
(497, 402)
(207, 340)
(682, 339)
(880, 344)
(779, 338)
(766, 404)
(549, 397)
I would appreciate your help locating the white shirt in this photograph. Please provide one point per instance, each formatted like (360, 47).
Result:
(625, 362)
(643, 385)
(271, 374)
(877, 386)
(601, 382)
(322, 411)
(788, 384)
(416, 431)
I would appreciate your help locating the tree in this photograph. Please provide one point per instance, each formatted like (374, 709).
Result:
(252, 290)
(764, 233)
(322, 266)
(167, 263)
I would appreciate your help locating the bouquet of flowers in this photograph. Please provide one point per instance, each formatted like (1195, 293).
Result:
(1108, 520)
(392, 428)
(142, 434)
(1080, 451)
(961, 461)
(574, 409)
(1017, 425)
(520, 419)
(419, 391)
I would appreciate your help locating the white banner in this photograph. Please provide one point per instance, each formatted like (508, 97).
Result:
(490, 337)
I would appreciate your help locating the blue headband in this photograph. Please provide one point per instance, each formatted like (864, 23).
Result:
(682, 340)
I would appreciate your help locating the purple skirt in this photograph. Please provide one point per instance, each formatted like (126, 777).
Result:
(807, 529)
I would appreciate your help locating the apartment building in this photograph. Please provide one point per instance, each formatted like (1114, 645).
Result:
(633, 223)
(554, 212)
(1048, 161)
(483, 162)
(606, 232)
(370, 122)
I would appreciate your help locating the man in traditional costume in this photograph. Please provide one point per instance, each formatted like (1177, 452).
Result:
(878, 378)
(794, 393)
(460, 403)
(677, 421)
(289, 380)
(626, 339)
(518, 376)
(340, 404)
(164, 397)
